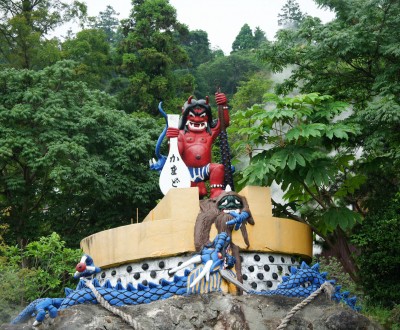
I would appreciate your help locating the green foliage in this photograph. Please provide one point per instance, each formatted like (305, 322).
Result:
(108, 22)
(378, 239)
(381, 146)
(355, 58)
(251, 91)
(91, 50)
(151, 52)
(259, 37)
(246, 40)
(24, 26)
(291, 15)
(389, 319)
(226, 72)
(41, 269)
(336, 272)
(197, 46)
(395, 317)
(294, 143)
(302, 144)
(340, 217)
(69, 162)
(350, 58)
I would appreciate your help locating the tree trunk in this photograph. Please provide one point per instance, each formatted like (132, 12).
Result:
(340, 248)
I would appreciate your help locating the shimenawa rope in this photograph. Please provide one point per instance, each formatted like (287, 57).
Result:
(127, 318)
(326, 286)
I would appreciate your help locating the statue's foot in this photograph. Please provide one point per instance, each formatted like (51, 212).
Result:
(202, 191)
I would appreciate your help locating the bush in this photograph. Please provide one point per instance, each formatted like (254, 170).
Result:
(378, 238)
(395, 317)
(389, 319)
(39, 270)
(336, 272)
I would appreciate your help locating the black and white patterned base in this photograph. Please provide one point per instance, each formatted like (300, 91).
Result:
(264, 271)
(261, 271)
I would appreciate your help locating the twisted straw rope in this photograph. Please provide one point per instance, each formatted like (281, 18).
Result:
(326, 286)
(127, 318)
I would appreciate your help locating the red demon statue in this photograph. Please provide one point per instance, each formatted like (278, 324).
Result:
(196, 134)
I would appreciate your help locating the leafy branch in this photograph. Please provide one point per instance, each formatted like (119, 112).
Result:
(312, 164)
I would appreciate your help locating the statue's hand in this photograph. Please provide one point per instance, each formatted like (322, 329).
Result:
(172, 132)
(238, 219)
(221, 99)
(230, 261)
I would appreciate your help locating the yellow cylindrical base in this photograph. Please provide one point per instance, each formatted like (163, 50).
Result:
(168, 230)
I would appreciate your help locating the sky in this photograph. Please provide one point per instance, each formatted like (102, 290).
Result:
(221, 19)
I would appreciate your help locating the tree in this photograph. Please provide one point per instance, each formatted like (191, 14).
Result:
(226, 72)
(302, 144)
(91, 49)
(259, 37)
(108, 22)
(45, 272)
(291, 15)
(69, 162)
(197, 46)
(151, 52)
(24, 25)
(355, 58)
(379, 242)
(244, 40)
(251, 92)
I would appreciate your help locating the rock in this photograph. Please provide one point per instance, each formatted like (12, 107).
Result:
(213, 311)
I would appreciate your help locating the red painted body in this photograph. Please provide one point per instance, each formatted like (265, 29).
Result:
(195, 144)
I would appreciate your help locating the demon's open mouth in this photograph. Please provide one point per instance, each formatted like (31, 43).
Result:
(193, 126)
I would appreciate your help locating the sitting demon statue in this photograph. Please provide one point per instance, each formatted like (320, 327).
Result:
(196, 133)
(228, 212)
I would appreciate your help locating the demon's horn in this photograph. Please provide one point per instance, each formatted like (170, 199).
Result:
(207, 99)
(189, 101)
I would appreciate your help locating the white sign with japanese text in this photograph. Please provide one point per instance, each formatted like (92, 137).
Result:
(175, 173)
